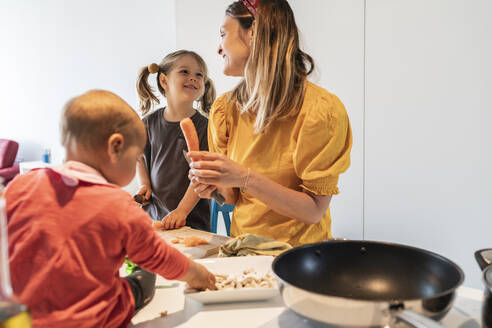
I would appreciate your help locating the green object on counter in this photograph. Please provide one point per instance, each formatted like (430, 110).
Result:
(130, 266)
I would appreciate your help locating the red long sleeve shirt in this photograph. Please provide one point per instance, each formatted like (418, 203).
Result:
(69, 232)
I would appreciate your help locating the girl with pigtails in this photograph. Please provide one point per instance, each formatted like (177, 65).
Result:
(163, 171)
(278, 143)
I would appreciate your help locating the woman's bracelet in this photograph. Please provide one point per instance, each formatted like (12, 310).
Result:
(243, 189)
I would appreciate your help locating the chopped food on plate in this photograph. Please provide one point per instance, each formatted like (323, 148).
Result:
(247, 279)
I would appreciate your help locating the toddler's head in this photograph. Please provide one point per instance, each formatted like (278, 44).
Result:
(100, 129)
(174, 73)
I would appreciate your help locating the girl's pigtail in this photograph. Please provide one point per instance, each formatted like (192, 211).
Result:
(145, 91)
(208, 98)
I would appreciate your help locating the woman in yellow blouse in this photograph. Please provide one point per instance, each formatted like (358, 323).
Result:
(278, 142)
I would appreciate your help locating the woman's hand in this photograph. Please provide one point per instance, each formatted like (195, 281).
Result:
(174, 219)
(205, 191)
(210, 170)
(202, 190)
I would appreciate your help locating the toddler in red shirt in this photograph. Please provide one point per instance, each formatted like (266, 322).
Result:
(71, 227)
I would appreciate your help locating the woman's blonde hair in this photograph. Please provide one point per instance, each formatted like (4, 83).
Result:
(276, 70)
(146, 93)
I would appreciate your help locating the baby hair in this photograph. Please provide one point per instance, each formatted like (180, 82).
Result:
(91, 118)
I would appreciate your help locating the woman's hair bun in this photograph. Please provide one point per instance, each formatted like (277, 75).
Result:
(153, 68)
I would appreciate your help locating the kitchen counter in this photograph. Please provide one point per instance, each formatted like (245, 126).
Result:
(183, 312)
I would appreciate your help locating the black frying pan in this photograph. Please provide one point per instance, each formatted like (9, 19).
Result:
(484, 260)
(379, 278)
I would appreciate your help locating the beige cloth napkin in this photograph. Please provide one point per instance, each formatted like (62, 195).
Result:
(248, 244)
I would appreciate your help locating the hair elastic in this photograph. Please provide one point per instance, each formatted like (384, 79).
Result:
(251, 5)
(153, 68)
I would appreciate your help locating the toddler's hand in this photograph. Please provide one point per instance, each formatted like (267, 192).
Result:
(199, 277)
(174, 220)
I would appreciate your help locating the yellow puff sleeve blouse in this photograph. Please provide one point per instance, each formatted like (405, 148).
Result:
(308, 151)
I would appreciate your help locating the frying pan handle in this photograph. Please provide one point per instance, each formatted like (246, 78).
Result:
(416, 320)
(484, 257)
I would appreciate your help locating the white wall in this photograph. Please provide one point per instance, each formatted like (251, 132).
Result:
(53, 50)
(197, 29)
(333, 33)
(338, 52)
(428, 135)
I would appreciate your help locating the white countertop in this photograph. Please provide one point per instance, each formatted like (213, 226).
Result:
(183, 312)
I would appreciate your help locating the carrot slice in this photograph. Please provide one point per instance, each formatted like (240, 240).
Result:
(190, 134)
(157, 225)
(193, 241)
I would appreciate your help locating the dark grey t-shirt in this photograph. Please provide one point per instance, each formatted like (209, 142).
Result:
(168, 169)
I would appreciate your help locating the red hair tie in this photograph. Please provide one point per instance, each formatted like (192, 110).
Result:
(251, 5)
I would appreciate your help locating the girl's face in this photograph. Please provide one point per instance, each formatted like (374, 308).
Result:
(235, 46)
(185, 80)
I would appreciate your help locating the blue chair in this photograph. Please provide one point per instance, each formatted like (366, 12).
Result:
(214, 215)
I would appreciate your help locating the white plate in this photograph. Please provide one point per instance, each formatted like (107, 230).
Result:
(234, 266)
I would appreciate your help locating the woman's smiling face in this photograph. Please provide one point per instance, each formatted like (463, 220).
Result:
(234, 47)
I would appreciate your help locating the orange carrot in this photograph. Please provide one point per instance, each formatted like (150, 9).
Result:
(157, 225)
(193, 241)
(190, 134)
(193, 144)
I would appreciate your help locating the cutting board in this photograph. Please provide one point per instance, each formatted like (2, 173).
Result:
(196, 252)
